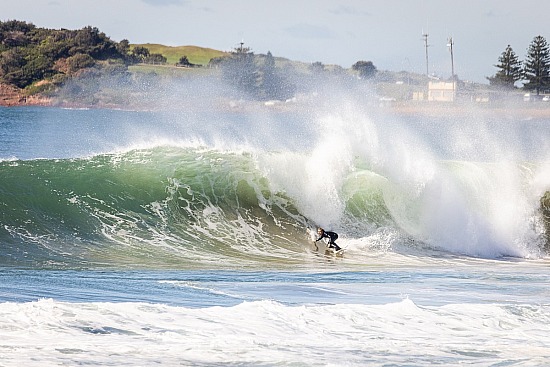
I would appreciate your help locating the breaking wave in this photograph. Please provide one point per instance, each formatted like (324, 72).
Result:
(181, 207)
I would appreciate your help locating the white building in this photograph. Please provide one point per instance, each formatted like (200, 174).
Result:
(442, 91)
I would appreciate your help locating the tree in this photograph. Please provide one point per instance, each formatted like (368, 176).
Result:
(79, 61)
(510, 70)
(16, 25)
(537, 65)
(366, 69)
(273, 84)
(317, 67)
(269, 77)
(240, 70)
(184, 61)
(216, 62)
(11, 60)
(11, 67)
(123, 47)
(140, 53)
(14, 32)
(89, 40)
(155, 59)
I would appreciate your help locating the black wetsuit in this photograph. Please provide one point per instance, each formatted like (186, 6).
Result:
(332, 236)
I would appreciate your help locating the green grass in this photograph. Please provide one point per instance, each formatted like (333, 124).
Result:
(170, 70)
(195, 54)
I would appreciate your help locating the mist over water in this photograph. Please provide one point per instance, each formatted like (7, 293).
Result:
(465, 182)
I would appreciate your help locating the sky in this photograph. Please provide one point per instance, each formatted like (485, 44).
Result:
(386, 32)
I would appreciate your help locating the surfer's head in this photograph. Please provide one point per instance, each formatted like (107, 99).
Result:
(320, 230)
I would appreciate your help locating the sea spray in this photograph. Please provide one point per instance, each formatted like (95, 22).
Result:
(248, 187)
(481, 207)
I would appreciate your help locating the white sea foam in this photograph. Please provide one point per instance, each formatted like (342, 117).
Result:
(266, 332)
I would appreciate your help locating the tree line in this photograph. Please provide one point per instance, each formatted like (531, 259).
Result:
(250, 77)
(534, 70)
(29, 54)
(258, 77)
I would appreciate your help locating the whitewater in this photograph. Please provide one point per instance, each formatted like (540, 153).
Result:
(182, 236)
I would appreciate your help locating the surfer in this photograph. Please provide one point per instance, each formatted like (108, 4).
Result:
(332, 236)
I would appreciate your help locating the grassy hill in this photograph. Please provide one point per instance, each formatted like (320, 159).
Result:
(195, 54)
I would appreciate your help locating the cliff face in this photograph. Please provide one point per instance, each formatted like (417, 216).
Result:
(545, 208)
(12, 96)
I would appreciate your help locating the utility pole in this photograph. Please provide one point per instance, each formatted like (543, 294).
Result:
(450, 44)
(425, 36)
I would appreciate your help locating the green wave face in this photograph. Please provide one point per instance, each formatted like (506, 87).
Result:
(152, 207)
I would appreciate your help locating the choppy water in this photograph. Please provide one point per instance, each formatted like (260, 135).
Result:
(181, 238)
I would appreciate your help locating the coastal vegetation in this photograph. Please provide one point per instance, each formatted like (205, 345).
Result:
(535, 70)
(85, 65)
(29, 54)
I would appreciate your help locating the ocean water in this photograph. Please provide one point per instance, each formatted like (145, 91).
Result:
(183, 237)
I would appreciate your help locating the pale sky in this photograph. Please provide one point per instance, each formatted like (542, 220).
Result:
(386, 32)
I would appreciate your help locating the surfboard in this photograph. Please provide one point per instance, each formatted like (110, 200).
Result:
(334, 252)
